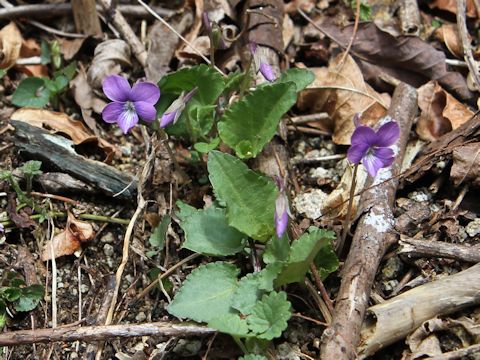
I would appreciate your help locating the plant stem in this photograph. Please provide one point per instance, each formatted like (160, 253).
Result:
(346, 222)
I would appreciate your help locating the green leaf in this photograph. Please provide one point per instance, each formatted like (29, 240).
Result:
(210, 85)
(31, 296)
(45, 53)
(269, 316)
(206, 293)
(326, 261)
(230, 324)
(302, 253)
(252, 286)
(31, 92)
(3, 314)
(300, 77)
(157, 238)
(4, 174)
(251, 122)
(233, 81)
(10, 293)
(207, 232)
(32, 168)
(185, 210)
(277, 250)
(249, 196)
(204, 147)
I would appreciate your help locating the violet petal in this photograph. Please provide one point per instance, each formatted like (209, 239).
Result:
(145, 91)
(167, 119)
(372, 164)
(2, 228)
(388, 134)
(357, 152)
(385, 154)
(127, 120)
(145, 110)
(112, 112)
(267, 72)
(116, 88)
(363, 135)
(281, 223)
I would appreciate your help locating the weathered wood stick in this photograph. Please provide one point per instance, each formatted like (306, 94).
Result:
(86, 17)
(126, 31)
(99, 333)
(58, 152)
(374, 234)
(394, 319)
(414, 248)
(458, 354)
(52, 10)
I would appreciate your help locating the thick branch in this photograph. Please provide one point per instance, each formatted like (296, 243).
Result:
(99, 333)
(394, 319)
(372, 237)
(415, 248)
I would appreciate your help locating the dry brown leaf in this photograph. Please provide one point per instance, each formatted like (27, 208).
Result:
(10, 45)
(197, 24)
(466, 165)
(341, 104)
(30, 47)
(336, 204)
(407, 58)
(451, 6)
(84, 97)
(69, 240)
(108, 59)
(70, 48)
(441, 112)
(62, 123)
(448, 34)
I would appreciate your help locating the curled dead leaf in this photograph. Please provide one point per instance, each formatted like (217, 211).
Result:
(62, 123)
(342, 92)
(451, 6)
(448, 34)
(10, 45)
(466, 165)
(108, 59)
(69, 240)
(440, 112)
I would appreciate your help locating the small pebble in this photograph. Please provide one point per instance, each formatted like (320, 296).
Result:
(141, 316)
(310, 203)
(473, 227)
(108, 238)
(108, 250)
(84, 288)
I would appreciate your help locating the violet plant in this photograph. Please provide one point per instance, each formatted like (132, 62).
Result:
(374, 150)
(195, 103)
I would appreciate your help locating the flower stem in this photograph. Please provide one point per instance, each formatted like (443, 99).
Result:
(346, 222)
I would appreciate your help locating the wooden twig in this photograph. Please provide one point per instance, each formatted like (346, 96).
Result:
(125, 31)
(414, 248)
(52, 10)
(466, 43)
(86, 18)
(410, 17)
(397, 317)
(374, 234)
(458, 354)
(303, 119)
(59, 152)
(102, 313)
(101, 333)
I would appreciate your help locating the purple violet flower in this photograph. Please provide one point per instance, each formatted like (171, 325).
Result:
(374, 148)
(265, 69)
(2, 229)
(128, 104)
(281, 210)
(174, 111)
